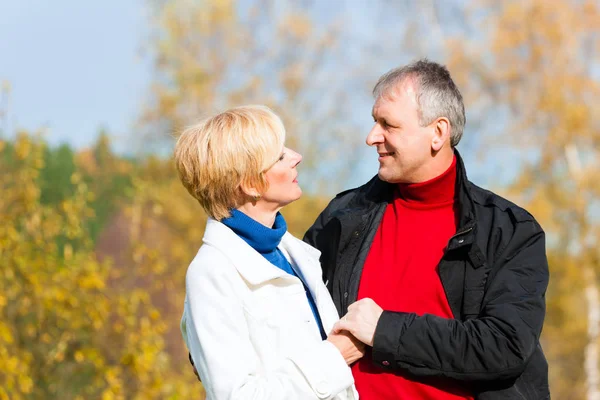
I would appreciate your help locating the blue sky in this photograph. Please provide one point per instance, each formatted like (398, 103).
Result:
(74, 67)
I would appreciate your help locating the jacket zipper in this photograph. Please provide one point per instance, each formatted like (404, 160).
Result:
(461, 233)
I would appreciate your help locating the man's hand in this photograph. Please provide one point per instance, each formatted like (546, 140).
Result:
(360, 320)
(351, 348)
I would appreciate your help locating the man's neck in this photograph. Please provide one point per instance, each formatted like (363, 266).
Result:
(438, 164)
(435, 192)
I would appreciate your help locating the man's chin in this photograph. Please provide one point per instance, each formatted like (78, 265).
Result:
(386, 177)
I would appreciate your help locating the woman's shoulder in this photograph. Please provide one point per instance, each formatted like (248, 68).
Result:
(209, 262)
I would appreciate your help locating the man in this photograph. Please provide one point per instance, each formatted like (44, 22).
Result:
(444, 280)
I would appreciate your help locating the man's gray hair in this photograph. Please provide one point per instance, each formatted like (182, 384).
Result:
(436, 94)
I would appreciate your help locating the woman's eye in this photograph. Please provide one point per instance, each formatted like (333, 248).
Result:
(282, 156)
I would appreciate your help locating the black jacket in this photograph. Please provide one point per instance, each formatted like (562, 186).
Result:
(494, 272)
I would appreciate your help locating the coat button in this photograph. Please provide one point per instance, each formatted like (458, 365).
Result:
(461, 241)
(385, 363)
(345, 295)
(322, 389)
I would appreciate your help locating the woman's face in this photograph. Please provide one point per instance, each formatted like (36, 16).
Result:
(283, 180)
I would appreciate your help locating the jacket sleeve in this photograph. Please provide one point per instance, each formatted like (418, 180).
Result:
(495, 345)
(217, 335)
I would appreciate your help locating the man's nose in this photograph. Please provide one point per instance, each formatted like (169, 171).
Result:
(375, 136)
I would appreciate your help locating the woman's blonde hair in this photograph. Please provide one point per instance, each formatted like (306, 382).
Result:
(222, 152)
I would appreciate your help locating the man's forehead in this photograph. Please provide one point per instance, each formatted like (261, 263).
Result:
(379, 103)
(403, 90)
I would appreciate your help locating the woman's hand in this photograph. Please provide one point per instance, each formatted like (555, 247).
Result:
(351, 348)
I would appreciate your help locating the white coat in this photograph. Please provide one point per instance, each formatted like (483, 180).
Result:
(250, 329)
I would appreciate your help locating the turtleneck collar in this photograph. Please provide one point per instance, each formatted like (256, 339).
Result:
(435, 192)
(259, 237)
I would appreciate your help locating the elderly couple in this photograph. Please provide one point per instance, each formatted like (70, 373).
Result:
(439, 284)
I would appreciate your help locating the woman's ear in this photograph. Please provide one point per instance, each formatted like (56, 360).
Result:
(249, 190)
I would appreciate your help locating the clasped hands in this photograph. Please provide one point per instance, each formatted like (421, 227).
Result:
(352, 332)
(356, 329)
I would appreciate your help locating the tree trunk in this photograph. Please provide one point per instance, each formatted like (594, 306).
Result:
(591, 349)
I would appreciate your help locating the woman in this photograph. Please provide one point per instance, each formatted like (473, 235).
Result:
(256, 312)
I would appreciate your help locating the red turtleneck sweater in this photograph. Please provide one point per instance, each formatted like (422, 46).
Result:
(401, 274)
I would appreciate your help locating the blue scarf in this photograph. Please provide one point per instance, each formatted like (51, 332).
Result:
(265, 241)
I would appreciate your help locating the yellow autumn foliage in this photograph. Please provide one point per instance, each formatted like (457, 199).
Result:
(69, 326)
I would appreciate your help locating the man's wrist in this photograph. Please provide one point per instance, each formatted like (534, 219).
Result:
(388, 333)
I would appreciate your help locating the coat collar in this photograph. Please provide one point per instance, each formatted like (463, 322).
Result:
(252, 266)
(305, 261)
(377, 193)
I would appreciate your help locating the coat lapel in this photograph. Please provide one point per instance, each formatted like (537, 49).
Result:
(305, 260)
(250, 264)
(256, 270)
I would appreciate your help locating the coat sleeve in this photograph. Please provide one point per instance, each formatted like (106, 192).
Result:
(218, 338)
(495, 345)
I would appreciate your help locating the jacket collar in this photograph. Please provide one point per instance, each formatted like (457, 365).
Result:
(252, 266)
(377, 192)
(466, 211)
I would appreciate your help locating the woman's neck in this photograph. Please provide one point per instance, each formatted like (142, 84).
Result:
(261, 238)
(259, 213)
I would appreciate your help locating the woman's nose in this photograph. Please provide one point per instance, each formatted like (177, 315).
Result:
(296, 157)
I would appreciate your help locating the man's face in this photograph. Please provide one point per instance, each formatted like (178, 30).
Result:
(404, 147)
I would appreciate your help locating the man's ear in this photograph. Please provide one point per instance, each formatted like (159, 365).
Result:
(441, 133)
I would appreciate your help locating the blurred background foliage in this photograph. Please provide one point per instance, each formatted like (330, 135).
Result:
(94, 245)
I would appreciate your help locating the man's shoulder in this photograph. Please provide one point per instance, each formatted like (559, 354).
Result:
(492, 202)
(363, 190)
(354, 199)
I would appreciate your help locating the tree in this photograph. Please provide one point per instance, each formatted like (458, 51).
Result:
(537, 68)
(109, 178)
(215, 54)
(66, 330)
(55, 177)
